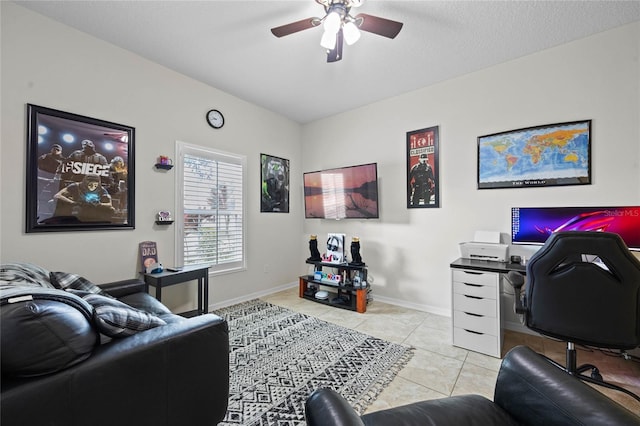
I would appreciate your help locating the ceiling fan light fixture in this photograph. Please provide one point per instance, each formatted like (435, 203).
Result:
(328, 40)
(332, 22)
(351, 33)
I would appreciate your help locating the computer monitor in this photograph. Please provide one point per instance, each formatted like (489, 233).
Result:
(533, 225)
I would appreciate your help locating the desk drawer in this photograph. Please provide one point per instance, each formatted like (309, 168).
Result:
(479, 323)
(480, 306)
(475, 277)
(484, 343)
(478, 290)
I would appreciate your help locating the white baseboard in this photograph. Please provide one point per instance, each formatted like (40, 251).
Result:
(251, 296)
(418, 307)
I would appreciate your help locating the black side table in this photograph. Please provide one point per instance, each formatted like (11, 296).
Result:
(188, 273)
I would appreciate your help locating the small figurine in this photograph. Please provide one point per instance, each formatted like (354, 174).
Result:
(356, 259)
(164, 216)
(313, 249)
(165, 161)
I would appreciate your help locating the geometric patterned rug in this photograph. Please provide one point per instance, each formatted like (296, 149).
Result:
(279, 356)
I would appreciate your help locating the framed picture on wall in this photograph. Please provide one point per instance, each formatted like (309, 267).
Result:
(549, 155)
(423, 183)
(80, 172)
(274, 192)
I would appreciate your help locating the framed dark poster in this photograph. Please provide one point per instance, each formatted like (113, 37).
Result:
(274, 192)
(423, 184)
(80, 172)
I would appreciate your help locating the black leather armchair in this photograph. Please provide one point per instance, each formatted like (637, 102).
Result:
(583, 288)
(175, 374)
(529, 391)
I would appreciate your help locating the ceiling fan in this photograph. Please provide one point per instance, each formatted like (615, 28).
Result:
(340, 26)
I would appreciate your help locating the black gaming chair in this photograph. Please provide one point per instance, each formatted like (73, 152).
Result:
(582, 287)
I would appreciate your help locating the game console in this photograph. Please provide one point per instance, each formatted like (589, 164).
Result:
(322, 295)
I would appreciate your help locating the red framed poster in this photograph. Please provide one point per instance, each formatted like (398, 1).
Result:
(423, 184)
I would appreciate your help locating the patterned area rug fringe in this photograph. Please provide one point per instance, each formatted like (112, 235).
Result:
(279, 356)
(376, 388)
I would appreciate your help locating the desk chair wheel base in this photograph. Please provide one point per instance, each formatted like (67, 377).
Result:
(595, 373)
(600, 382)
(595, 377)
(571, 368)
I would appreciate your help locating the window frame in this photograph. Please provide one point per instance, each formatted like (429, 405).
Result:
(183, 148)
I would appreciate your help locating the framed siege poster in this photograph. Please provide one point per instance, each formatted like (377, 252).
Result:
(80, 172)
(423, 184)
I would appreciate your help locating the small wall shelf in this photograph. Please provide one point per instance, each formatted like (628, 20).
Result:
(164, 166)
(164, 222)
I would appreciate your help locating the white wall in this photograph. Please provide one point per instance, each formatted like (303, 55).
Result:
(48, 64)
(408, 250)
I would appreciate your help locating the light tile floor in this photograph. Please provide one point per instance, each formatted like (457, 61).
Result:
(439, 369)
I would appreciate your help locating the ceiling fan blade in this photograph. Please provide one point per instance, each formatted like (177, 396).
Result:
(376, 25)
(294, 27)
(335, 54)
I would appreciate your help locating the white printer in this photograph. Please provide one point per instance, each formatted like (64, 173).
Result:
(485, 246)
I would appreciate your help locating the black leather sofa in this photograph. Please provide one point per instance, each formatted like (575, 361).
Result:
(529, 391)
(174, 374)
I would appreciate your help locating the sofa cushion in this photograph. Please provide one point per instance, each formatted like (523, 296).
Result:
(43, 330)
(24, 274)
(148, 303)
(117, 319)
(67, 281)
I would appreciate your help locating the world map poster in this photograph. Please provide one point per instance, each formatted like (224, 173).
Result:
(554, 154)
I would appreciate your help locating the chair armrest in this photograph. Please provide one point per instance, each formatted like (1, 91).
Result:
(536, 392)
(122, 288)
(516, 279)
(325, 407)
(177, 374)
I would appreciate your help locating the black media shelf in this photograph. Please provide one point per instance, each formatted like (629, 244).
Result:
(351, 306)
(353, 298)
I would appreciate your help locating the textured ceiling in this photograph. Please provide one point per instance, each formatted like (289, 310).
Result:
(228, 44)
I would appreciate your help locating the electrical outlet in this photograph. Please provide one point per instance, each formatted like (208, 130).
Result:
(266, 269)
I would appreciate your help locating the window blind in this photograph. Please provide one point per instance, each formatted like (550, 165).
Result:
(212, 219)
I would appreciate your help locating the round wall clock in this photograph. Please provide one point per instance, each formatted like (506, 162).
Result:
(215, 119)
